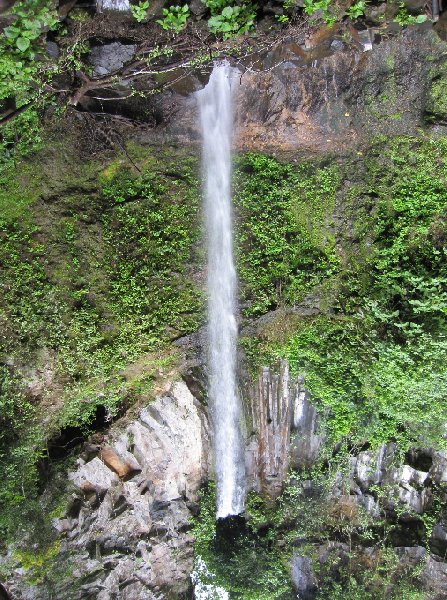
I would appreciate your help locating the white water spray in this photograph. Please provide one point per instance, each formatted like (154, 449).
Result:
(217, 125)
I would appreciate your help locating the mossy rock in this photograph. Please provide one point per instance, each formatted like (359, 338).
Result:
(436, 106)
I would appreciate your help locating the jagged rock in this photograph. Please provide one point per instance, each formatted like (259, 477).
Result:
(434, 575)
(407, 477)
(110, 57)
(302, 576)
(94, 477)
(306, 440)
(438, 540)
(438, 470)
(368, 469)
(410, 556)
(270, 416)
(136, 531)
(113, 5)
(122, 465)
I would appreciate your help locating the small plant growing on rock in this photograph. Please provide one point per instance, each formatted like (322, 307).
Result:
(404, 18)
(174, 18)
(356, 10)
(139, 11)
(230, 20)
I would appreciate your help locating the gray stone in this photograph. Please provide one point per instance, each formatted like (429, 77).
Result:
(110, 57)
(93, 477)
(438, 470)
(438, 540)
(306, 439)
(52, 50)
(302, 576)
(434, 575)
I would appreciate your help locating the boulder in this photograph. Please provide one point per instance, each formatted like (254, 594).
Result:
(438, 470)
(124, 466)
(306, 439)
(94, 477)
(113, 5)
(110, 57)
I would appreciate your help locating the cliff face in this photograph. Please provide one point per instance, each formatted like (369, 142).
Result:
(103, 278)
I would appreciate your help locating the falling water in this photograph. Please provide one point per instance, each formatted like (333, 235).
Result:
(114, 5)
(217, 124)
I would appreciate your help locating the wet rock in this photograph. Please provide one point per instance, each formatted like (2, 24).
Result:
(269, 409)
(110, 57)
(135, 532)
(438, 540)
(438, 470)
(410, 556)
(197, 8)
(434, 575)
(306, 439)
(369, 467)
(302, 576)
(52, 50)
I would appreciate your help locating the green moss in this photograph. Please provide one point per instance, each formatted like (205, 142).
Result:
(97, 278)
(436, 105)
(284, 244)
(376, 366)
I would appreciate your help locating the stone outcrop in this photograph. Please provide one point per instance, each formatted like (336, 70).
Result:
(283, 429)
(320, 95)
(270, 410)
(126, 534)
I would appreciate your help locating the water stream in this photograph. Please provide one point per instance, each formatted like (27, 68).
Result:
(215, 104)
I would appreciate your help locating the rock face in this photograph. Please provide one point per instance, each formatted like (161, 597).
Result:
(321, 94)
(283, 429)
(270, 408)
(113, 5)
(126, 534)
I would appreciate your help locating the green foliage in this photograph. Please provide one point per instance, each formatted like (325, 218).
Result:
(230, 19)
(32, 19)
(83, 297)
(22, 78)
(314, 6)
(283, 246)
(139, 11)
(403, 17)
(377, 369)
(356, 10)
(174, 18)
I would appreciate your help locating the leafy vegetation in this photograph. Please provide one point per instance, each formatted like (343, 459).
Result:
(230, 19)
(244, 562)
(174, 18)
(283, 250)
(84, 295)
(376, 363)
(139, 11)
(352, 552)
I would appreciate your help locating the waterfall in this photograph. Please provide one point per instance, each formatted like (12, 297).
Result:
(117, 5)
(217, 124)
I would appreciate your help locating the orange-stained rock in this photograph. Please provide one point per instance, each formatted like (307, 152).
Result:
(123, 466)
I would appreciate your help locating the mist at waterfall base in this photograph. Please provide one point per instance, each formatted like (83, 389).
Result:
(216, 117)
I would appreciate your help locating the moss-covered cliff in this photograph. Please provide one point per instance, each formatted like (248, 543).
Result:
(340, 228)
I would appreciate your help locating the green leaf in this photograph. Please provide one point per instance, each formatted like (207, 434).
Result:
(227, 12)
(23, 44)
